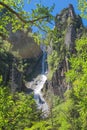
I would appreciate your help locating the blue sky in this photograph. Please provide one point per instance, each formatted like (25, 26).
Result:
(59, 5)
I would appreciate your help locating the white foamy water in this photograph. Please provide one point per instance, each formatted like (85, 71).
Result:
(37, 85)
(38, 96)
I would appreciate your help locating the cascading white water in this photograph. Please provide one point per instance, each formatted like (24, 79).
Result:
(38, 96)
(38, 84)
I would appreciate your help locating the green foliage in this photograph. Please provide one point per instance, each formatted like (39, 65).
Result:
(77, 76)
(70, 21)
(53, 61)
(82, 5)
(17, 111)
(71, 113)
(42, 125)
(14, 17)
(56, 41)
(6, 59)
(0, 79)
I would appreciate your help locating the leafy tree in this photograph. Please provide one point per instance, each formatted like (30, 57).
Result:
(6, 59)
(77, 76)
(13, 12)
(17, 111)
(53, 62)
(42, 125)
(71, 112)
(82, 5)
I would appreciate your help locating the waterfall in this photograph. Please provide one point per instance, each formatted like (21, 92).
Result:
(38, 96)
(43, 62)
(38, 84)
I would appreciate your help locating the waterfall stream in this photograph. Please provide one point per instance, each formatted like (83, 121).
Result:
(38, 84)
(38, 96)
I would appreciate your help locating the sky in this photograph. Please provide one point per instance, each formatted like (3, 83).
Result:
(59, 5)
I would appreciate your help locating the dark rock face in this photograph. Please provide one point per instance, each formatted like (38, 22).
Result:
(16, 80)
(24, 44)
(72, 24)
(18, 76)
(70, 38)
(58, 83)
(71, 11)
(34, 68)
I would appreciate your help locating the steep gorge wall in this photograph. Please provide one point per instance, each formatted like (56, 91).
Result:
(72, 25)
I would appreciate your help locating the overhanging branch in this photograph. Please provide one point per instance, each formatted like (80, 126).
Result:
(41, 28)
(21, 18)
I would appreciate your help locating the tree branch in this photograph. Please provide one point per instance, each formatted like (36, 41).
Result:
(41, 28)
(19, 17)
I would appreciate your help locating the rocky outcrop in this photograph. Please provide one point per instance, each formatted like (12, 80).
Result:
(24, 44)
(16, 80)
(71, 24)
(22, 40)
(70, 37)
(58, 83)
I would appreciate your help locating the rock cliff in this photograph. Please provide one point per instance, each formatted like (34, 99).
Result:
(69, 26)
(24, 43)
(25, 56)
